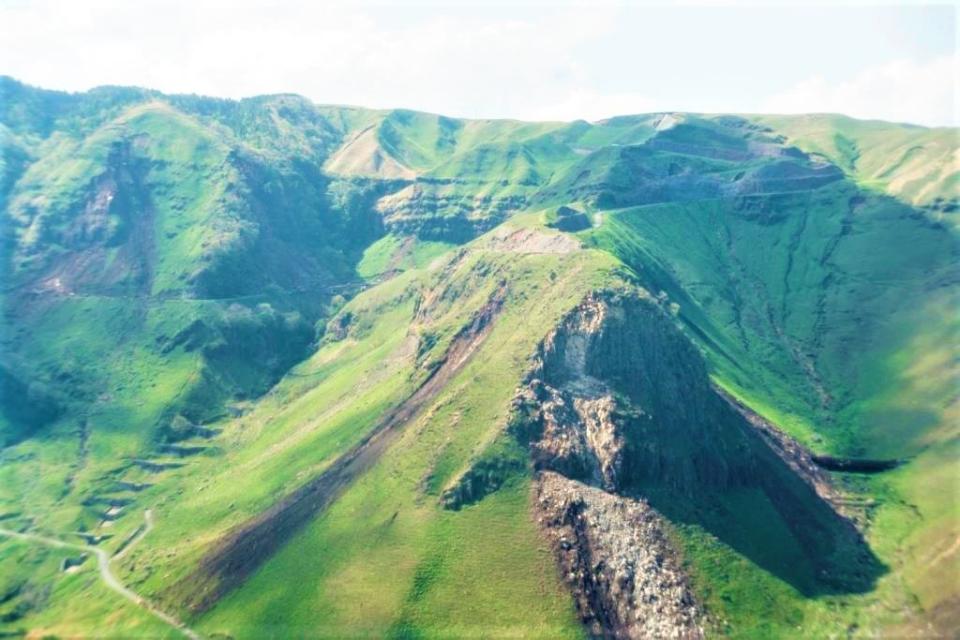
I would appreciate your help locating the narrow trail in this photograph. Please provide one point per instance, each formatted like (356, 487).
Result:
(943, 555)
(147, 527)
(106, 573)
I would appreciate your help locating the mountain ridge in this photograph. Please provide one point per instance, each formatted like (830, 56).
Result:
(209, 303)
(357, 107)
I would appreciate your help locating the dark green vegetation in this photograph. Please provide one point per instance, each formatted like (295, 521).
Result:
(217, 309)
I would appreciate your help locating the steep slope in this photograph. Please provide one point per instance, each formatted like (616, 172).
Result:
(914, 164)
(358, 469)
(157, 270)
(620, 399)
(812, 309)
(395, 374)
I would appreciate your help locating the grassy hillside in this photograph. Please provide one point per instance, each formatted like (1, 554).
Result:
(914, 164)
(266, 355)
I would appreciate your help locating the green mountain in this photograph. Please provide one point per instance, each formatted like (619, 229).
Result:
(274, 369)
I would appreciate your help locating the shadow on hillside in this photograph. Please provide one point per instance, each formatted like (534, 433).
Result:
(777, 521)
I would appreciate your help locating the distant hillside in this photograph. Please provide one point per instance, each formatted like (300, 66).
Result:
(915, 164)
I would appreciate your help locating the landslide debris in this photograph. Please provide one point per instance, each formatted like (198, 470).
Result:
(626, 576)
(611, 549)
(627, 436)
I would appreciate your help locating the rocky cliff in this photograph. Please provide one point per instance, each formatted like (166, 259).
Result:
(623, 427)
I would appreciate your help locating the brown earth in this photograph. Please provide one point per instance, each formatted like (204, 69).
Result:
(242, 550)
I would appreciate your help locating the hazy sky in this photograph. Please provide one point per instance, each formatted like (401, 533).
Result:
(533, 60)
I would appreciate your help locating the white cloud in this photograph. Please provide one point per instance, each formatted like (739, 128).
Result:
(588, 104)
(899, 91)
(509, 60)
(420, 57)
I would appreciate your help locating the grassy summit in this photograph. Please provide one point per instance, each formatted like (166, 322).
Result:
(213, 308)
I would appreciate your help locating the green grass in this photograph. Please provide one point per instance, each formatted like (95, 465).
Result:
(829, 310)
(913, 163)
(359, 547)
(392, 253)
(30, 578)
(863, 312)
(790, 311)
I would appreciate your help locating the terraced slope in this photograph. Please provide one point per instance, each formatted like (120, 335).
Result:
(914, 164)
(387, 373)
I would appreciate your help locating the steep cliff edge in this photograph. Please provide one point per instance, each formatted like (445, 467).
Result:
(628, 435)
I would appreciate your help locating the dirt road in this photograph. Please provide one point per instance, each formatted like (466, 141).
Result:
(106, 573)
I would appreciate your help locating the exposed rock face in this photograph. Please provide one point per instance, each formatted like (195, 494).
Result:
(625, 428)
(433, 209)
(612, 550)
(624, 574)
(623, 399)
(679, 165)
(580, 435)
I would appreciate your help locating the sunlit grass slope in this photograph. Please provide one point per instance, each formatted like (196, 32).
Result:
(387, 558)
(918, 165)
(207, 302)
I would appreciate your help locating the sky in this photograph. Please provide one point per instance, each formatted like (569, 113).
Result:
(528, 60)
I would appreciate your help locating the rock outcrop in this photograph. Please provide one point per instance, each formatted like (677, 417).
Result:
(580, 428)
(626, 432)
(612, 549)
(622, 399)
(570, 219)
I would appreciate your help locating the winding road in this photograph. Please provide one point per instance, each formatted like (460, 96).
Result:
(147, 526)
(106, 573)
